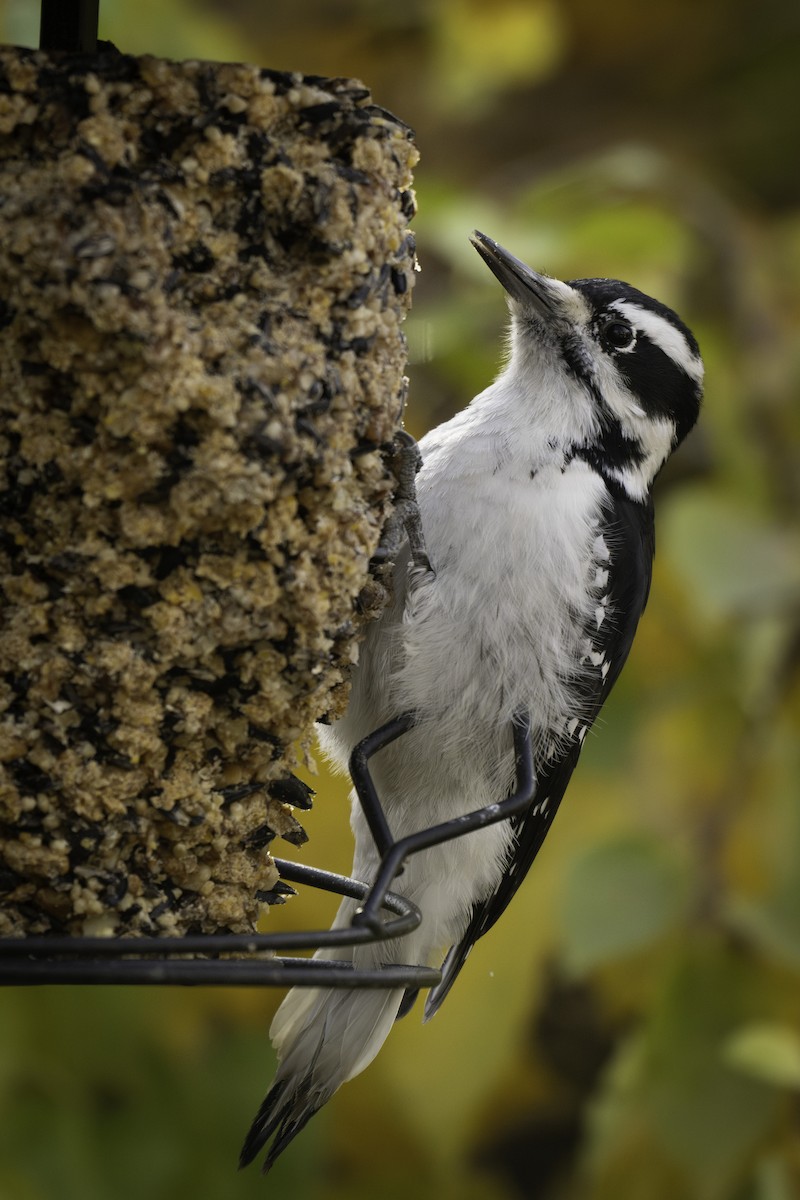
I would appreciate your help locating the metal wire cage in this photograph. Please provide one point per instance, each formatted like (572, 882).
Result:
(257, 959)
(227, 959)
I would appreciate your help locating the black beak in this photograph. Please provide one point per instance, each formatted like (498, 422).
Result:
(522, 284)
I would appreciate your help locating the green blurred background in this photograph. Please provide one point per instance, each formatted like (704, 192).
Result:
(631, 1029)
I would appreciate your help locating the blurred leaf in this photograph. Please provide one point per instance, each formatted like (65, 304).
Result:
(771, 917)
(773, 1180)
(774, 922)
(736, 562)
(20, 20)
(765, 646)
(620, 896)
(449, 215)
(707, 1115)
(177, 29)
(766, 1051)
(606, 216)
(484, 48)
(611, 1109)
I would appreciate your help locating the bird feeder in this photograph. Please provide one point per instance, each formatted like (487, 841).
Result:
(205, 268)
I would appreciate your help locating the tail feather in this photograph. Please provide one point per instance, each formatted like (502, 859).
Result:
(323, 1038)
(274, 1113)
(456, 957)
(408, 1002)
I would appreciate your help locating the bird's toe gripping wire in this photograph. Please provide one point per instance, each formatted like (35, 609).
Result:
(394, 852)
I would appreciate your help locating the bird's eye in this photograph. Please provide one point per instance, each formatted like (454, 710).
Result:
(619, 335)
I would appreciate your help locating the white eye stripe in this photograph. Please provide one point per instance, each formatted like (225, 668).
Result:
(662, 333)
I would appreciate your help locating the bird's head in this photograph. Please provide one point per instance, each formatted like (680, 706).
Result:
(620, 372)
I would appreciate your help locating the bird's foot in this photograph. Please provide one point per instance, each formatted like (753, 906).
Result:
(405, 520)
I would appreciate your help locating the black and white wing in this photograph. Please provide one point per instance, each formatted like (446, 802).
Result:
(630, 538)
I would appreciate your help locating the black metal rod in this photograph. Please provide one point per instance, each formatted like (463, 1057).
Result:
(435, 835)
(363, 782)
(69, 25)
(275, 972)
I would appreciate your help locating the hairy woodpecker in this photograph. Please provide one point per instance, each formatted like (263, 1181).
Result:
(537, 518)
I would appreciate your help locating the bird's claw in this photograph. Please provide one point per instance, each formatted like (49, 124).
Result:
(404, 521)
